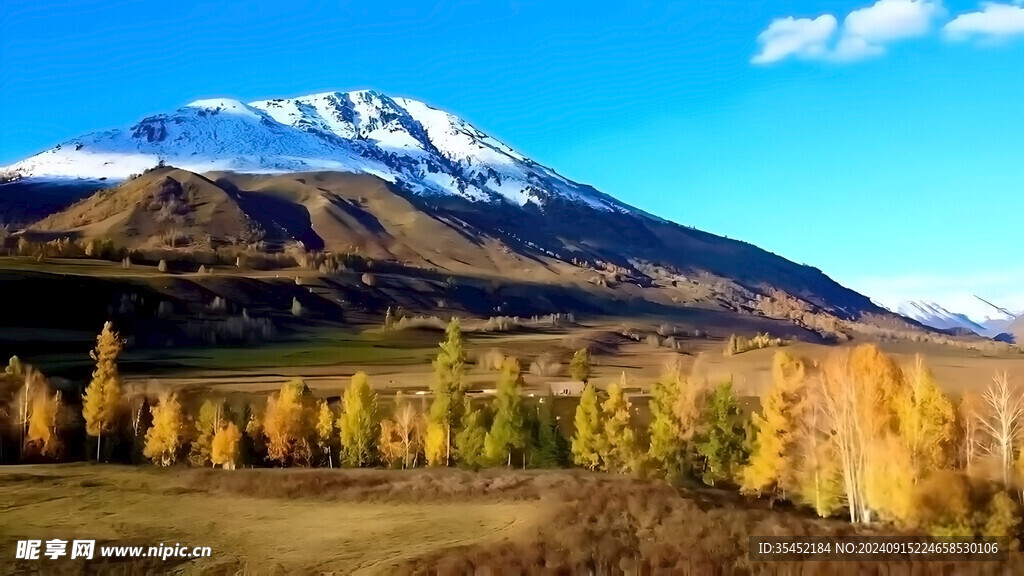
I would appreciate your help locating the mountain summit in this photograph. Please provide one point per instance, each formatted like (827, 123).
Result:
(421, 149)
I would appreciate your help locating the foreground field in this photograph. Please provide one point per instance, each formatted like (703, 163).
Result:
(396, 522)
(260, 527)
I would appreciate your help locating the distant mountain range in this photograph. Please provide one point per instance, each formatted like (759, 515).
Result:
(936, 316)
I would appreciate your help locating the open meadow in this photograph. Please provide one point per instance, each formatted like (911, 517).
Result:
(443, 522)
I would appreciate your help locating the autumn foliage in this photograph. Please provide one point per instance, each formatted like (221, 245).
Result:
(859, 435)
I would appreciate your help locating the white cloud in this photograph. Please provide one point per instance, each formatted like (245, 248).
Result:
(795, 37)
(892, 20)
(993, 21)
(865, 32)
(855, 48)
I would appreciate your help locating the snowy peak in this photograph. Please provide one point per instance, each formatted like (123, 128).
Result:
(227, 105)
(936, 316)
(408, 143)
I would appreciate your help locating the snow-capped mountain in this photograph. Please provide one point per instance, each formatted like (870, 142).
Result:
(422, 149)
(934, 315)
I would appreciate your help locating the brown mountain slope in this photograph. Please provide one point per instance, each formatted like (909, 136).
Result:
(350, 212)
(629, 257)
(160, 208)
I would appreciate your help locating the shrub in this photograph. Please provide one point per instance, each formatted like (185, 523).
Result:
(740, 344)
(501, 324)
(491, 359)
(413, 322)
(545, 366)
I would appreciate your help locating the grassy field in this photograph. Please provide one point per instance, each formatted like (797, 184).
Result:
(433, 521)
(257, 533)
(326, 357)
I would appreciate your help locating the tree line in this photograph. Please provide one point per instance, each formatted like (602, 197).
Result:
(856, 434)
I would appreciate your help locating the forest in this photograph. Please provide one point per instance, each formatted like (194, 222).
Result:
(857, 436)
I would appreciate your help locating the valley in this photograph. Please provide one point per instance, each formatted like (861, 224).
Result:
(236, 321)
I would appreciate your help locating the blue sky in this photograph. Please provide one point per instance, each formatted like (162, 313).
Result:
(879, 141)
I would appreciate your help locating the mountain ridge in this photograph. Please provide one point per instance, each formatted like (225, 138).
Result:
(935, 315)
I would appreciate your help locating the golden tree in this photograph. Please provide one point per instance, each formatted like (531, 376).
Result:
(889, 481)
(815, 479)
(942, 505)
(288, 424)
(1002, 518)
(164, 437)
(436, 443)
(969, 416)
(688, 405)
(359, 422)
(325, 430)
(209, 421)
(782, 408)
(588, 441)
(857, 391)
(31, 380)
(621, 453)
(927, 421)
(1002, 422)
(101, 402)
(402, 435)
(668, 450)
(43, 423)
(225, 449)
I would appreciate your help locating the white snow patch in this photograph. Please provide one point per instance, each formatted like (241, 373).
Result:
(403, 141)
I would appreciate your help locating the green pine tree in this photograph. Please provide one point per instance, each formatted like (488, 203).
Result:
(507, 429)
(471, 440)
(449, 390)
(549, 448)
(722, 444)
(579, 366)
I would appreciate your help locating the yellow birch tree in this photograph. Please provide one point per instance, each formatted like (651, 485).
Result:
(164, 437)
(225, 449)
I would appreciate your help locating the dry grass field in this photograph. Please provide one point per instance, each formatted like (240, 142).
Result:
(402, 362)
(274, 521)
(257, 526)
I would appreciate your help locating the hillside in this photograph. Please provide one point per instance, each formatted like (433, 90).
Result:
(166, 207)
(615, 255)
